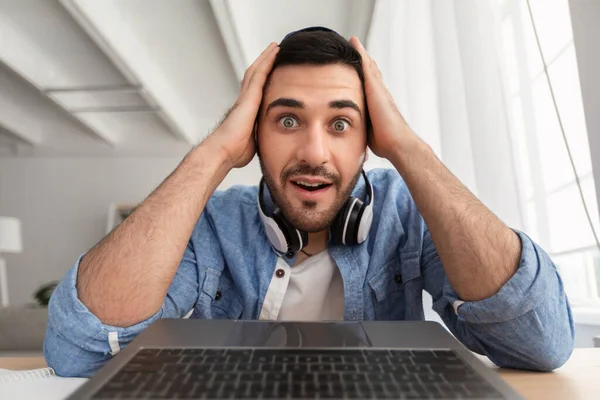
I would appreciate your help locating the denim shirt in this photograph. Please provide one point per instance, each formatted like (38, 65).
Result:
(526, 325)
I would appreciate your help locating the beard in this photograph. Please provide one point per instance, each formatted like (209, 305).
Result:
(307, 218)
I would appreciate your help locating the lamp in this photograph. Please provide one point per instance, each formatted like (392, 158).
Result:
(10, 242)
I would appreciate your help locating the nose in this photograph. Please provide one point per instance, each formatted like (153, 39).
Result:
(314, 149)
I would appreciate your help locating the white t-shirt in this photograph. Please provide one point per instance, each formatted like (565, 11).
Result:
(310, 291)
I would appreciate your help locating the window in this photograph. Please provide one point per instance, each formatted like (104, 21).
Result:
(554, 213)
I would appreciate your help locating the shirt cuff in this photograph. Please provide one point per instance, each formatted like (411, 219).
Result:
(72, 320)
(520, 294)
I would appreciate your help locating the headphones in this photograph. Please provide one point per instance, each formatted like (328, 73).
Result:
(350, 227)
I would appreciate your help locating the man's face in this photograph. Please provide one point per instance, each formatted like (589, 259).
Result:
(312, 141)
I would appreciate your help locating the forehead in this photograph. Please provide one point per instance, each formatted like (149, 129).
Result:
(315, 85)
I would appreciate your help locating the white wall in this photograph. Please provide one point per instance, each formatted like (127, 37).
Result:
(63, 205)
(584, 335)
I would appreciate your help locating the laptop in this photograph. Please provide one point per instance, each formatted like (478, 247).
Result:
(224, 359)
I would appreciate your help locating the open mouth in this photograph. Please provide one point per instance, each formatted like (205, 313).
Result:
(311, 187)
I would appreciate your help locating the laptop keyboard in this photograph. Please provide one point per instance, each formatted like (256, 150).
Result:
(296, 374)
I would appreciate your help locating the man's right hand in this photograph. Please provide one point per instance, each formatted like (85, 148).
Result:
(234, 136)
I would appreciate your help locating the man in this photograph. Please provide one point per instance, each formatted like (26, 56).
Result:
(296, 249)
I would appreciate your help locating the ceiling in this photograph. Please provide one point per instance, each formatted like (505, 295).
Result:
(137, 77)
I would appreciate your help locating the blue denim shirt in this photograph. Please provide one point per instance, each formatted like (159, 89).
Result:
(526, 325)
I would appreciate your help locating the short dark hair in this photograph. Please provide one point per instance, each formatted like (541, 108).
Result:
(318, 46)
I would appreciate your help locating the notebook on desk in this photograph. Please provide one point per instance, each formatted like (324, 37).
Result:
(189, 359)
(36, 384)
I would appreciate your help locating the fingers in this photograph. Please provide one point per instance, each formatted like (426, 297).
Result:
(260, 73)
(248, 102)
(250, 71)
(366, 58)
(369, 65)
(373, 76)
(358, 46)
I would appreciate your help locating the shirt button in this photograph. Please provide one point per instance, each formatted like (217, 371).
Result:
(279, 273)
(398, 278)
(218, 295)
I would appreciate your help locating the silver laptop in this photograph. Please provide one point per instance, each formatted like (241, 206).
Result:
(221, 359)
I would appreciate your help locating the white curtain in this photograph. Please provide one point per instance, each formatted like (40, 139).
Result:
(440, 64)
(467, 75)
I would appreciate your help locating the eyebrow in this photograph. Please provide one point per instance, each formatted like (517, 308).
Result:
(339, 104)
(293, 103)
(284, 102)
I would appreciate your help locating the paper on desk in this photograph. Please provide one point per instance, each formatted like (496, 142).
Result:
(36, 385)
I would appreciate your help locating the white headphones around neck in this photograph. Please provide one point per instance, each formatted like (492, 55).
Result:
(350, 227)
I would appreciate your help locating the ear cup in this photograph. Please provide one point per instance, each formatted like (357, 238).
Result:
(291, 239)
(352, 223)
(353, 220)
(284, 238)
(275, 236)
(296, 240)
(365, 218)
(337, 227)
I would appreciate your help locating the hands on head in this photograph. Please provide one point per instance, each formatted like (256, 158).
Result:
(234, 135)
(389, 127)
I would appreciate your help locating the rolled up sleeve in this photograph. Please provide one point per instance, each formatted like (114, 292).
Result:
(77, 343)
(527, 324)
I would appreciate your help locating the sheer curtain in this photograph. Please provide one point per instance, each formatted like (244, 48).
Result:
(441, 67)
(468, 77)
(555, 210)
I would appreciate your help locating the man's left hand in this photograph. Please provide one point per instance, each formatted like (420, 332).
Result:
(389, 127)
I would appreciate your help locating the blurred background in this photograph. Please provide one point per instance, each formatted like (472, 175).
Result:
(100, 100)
